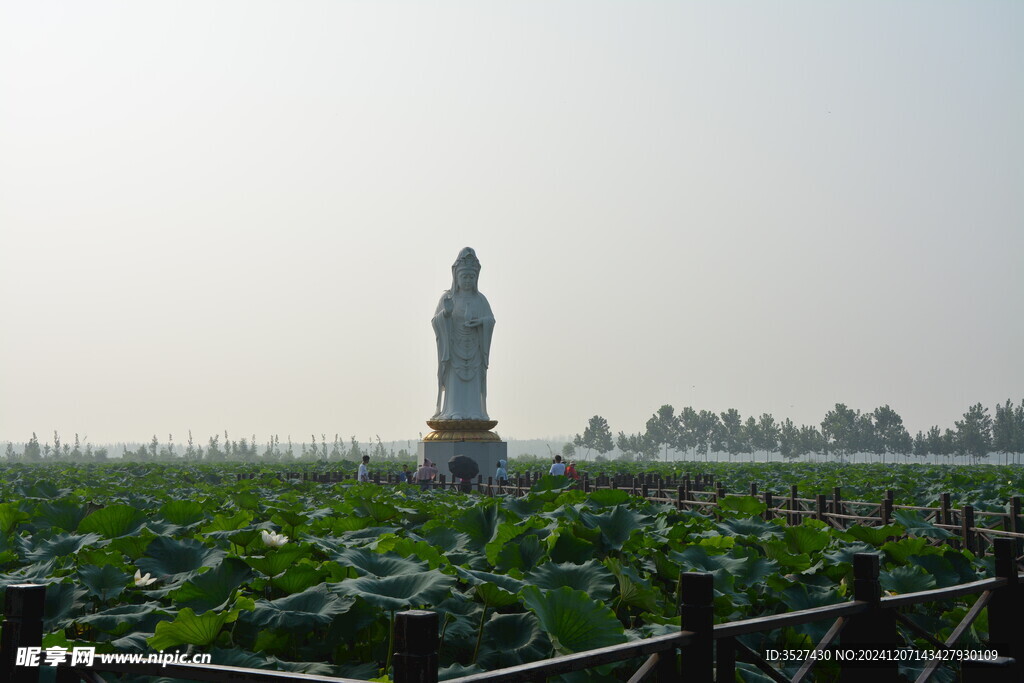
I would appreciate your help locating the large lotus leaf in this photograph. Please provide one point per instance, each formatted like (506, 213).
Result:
(367, 562)
(341, 525)
(224, 523)
(11, 516)
(367, 536)
(899, 551)
(212, 589)
(806, 539)
(696, 557)
(479, 522)
(64, 602)
(376, 510)
(113, 521)
(244, 537)
(875, 535)
(566, 546)
(916, 525)
(189, 629)
(61, 545)
(908, 579)
(289, 518)
(456, 671)
(105, 582)
(608, 497)
(616, 525)
(447, 539)
(524, 555)
(247, 500)
(593, 578)
(634, 590)
(523, 508)
(297, 579)
(301, 612)
(182, 512)
(845, 554)
(62, 514)
(45, 490)
(511, 640)
(494, 590)
(800, 596)
(124, 618)
(40, 572)
(572, 620)
(167, 557)
(398, 592)
(278, 559)
(507, 531)
(550, 482)
(754, 568)
(749, 526)
(133, 546)
(407, 547)
(938, 567)
(742, 506)
(779, 551)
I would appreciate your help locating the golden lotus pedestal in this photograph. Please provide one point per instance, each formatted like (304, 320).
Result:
(471, 438)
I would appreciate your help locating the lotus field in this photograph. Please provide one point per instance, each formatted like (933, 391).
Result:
(305, 576)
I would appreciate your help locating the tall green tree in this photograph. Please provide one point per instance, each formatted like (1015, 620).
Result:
(839, 431)
(891, 436)
(710, 435)
(789, 440)
(733, 437)
(663, 428)
(1004, 430)
(597, 436)
(686, 429)
(766, 437)
(974, 432)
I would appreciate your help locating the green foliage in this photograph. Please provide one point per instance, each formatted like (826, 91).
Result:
(514, 580)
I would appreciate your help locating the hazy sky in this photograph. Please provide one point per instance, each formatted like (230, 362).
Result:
(241, 215)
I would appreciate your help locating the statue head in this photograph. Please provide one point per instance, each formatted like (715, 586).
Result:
(465, 271)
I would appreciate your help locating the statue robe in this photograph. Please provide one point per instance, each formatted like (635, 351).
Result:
(462, 357)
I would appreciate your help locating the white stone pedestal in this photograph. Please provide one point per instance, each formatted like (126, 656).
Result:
(486, 454)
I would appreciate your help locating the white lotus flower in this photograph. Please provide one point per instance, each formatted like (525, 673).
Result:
(143, 581)
(274, 540)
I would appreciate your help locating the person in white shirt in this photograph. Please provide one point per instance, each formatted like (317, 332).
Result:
(557, 467)
(364, 473)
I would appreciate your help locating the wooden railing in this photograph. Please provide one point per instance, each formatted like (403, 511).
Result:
(699, 652)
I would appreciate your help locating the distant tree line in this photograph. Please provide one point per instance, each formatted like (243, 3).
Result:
(842, 434)
(243, 449)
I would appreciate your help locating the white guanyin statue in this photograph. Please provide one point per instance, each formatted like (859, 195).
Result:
(462, 325)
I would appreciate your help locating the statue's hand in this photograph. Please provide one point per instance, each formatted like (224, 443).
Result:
(448, 304)
(474, 322)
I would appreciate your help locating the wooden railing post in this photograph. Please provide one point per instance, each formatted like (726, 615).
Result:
(22, 627)
(967, 528)
(698, 615)
(820, 507)
(415, 657)
(885, 510)
(875, 628)
(837, 505)
(794, 518)
(769, 504)
(1004, 611)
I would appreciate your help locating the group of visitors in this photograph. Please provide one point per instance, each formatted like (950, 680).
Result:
(427, 472)
(561, 469)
